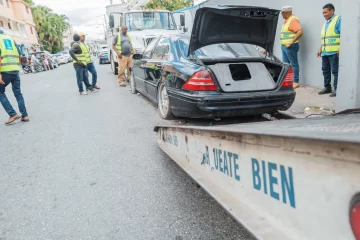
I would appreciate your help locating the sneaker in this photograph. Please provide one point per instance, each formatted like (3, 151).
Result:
(333, 94)
(83, 93)
(325, 91)
(96, 87)
(122, 84)
(93, 90)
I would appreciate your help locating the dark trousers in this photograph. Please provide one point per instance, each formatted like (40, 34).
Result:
(82, 77)
(14, 79)
(290, 55)
(91, 68)
(330, 64)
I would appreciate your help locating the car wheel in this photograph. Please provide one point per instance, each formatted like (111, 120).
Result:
(114, 66)
(164, 103)
(132, 84)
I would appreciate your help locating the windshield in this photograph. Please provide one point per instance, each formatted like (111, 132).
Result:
(149, 20)
(222, 50)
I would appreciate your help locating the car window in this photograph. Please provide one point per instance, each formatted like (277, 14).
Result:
(149, 48)
(162, 49)
(222, 50)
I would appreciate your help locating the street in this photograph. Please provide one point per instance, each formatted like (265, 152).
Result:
(88, 167)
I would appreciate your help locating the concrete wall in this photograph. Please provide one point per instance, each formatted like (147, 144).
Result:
(312, 20)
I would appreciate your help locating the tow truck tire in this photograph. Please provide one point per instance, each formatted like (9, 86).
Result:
(114, 66)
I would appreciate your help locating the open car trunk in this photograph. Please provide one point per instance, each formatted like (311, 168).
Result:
(246, 76)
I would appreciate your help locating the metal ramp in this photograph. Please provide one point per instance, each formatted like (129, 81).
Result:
(292, 179)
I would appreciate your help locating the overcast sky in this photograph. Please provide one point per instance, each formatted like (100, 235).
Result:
(81, 14)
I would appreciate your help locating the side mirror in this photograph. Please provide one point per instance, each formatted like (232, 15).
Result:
(137, 56)
(182, 20)
(111, 21)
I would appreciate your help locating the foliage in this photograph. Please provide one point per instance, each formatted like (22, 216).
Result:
(49, 27)
(170, 5)
(30, 2)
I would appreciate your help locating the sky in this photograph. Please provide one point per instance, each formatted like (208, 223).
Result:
(81, 13)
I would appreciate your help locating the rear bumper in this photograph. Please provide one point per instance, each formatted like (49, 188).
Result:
(229, 105)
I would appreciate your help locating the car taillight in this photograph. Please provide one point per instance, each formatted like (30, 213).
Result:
(200, 81)
(355, 218)
(289, 78)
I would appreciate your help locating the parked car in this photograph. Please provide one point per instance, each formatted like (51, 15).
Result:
(61, 58)
(66, 55)
(217, 71)
(104, 56)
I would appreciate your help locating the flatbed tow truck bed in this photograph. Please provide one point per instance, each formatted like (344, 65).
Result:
(291, 179)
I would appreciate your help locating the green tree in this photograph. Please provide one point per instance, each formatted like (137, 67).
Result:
(50, 27)
(30, 2)
(170, 5)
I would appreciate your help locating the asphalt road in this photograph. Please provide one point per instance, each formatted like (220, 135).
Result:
(88, 167)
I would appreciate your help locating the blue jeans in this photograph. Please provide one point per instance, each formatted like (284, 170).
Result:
(91, 68)
(14, 79)
(330, 64)
(82, 77)
(289, 55)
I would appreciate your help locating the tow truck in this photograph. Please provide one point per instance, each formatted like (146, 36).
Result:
(282, 180)
(143, 25)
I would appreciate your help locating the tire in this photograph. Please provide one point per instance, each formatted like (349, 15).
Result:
(114, 66)
(132, 84)
(164, 103)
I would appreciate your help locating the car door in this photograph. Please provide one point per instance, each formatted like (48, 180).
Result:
(154, 67)
(139, 67)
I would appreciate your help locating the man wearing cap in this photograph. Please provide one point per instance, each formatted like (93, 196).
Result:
(9, 73)
(330, 48)
(90, 65)
(122, 45)
(77, 52)
(291, 32)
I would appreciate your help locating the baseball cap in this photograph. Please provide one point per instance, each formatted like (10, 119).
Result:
(82, 34)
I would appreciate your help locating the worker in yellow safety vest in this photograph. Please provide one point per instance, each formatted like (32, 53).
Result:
(330, 48)
(291, 32)
(122, 45)
(89, 63)
(78, 54)
(9, 69)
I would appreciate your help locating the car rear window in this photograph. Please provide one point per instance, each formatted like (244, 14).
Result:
(222, 50)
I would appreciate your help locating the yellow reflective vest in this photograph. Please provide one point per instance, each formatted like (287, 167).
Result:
(9, 54)
(330, 40)
(118, 44)
(82, 56)
(87, 53)
(286, 35)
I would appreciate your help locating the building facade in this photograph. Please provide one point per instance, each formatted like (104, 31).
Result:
(16, 20)
(68, 38)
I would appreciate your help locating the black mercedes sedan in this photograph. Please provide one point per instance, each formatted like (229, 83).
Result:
(225, 68)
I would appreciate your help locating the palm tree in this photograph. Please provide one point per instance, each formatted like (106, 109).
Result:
(50, 27)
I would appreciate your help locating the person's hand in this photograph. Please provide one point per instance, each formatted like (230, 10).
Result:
(1, 81)
(78, 62)
(318, 54)
(338, 53)
(119, 55)
(288, 45)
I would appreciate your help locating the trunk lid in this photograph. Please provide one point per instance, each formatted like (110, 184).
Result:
(234, 24)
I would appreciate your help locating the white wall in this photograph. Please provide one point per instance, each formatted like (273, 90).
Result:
(312, 20)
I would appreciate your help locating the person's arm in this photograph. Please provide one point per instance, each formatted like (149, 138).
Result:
(1, 81)
(114, 45)
(75, 49)
(296, 28)
(338, 30)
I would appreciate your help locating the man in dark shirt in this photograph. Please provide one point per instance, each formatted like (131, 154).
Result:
(77, 54)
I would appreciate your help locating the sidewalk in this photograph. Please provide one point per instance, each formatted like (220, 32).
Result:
(308, 103)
